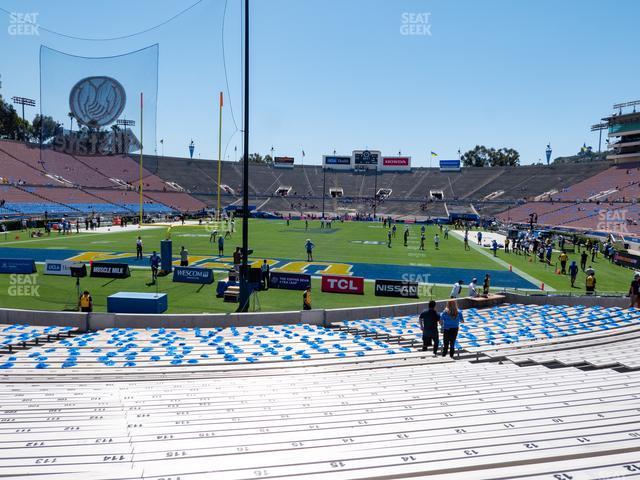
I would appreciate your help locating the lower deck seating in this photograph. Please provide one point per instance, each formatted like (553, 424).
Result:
(449, 420)
(308, 402)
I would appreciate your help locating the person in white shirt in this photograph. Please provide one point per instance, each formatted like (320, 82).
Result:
(457, 288)
(473, 288)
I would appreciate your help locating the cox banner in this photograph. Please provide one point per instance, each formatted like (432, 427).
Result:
(289, 281)
(17, 265)
(396, 288)
(342, 284)
(193, 275)
(110, 270)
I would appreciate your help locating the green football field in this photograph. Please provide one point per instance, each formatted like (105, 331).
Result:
(358, 243)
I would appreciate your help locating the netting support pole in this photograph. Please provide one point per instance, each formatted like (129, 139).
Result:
(141, 149)
(219, 158)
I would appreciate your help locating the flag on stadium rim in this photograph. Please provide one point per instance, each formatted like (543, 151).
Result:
(303, 153)
(433, 154)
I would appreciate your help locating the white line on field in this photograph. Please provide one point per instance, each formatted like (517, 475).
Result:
(501, 262)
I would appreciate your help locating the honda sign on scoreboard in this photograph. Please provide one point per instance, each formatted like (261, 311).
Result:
(396, 163)
(342, 284)
(366, 158)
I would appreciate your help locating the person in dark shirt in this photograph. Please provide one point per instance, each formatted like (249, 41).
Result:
(583, 260)
(634, 291)
(573, 271)
(429, 325)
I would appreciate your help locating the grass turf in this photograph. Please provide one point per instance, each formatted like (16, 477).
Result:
(346, 242)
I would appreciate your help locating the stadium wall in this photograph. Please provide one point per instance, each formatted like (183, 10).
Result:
(101, 321)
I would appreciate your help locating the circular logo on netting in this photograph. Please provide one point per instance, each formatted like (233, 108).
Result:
(97, 101)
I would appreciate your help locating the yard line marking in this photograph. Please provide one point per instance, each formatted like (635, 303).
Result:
(501, 262)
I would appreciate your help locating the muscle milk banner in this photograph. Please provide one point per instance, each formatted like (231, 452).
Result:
(110, 270)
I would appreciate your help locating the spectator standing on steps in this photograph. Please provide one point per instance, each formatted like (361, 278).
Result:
(451, 319)
(429, 320)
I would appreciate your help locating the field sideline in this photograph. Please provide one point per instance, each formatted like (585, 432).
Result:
(357, 248)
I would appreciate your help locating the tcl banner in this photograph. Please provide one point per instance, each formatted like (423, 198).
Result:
(340, 284)
(396, 288)
(396, 163)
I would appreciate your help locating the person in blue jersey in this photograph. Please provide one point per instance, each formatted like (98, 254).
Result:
(308, 245)
(451, 318)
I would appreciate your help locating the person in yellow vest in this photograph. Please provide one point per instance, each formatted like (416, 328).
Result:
(85, 302)
(563, 262)
(306, 299)
(590, 283)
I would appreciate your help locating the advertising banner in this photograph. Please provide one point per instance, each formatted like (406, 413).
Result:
(450, 166)
(343, 284)
(627, 260)
(283, 162)
(110, 270)
(289, 281)
(397, 163)
(193, 275)
(58, 267)
(396, 288)
(17, 265)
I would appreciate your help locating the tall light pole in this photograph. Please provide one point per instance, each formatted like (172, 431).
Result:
(599, 127)
(244, 270)
(124, 123)
(29, 102)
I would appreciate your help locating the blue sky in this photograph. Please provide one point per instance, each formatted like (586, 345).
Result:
(338, 74)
